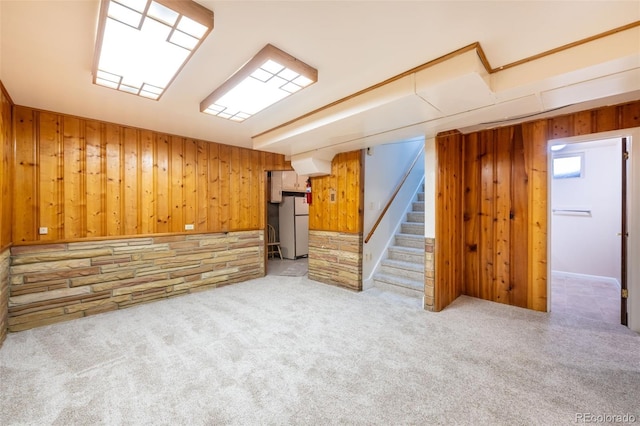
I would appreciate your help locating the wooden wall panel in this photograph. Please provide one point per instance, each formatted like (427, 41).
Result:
(74, 178)
(630, 115)
(6, 205)
(176, 164)
(224, 178)
(487, 215)
(113, 203)
(215, 193)
(517, 248)
(131, 167)
(534, 135)
(258, 181)
(582, 123)
(346, 185)
(234, 184)
(506, 187)
(51, 194)
(449, 259)
(497, 179)
(503, 206)
(146, 184)
(244, 206)
(162, 184)
(6, 160)
(471, 215)
(85, 179)
(95, 172)
(606, 119)
(25, 177)
(202, 185)
(189, 189)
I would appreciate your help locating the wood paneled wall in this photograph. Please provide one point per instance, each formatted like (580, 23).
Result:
(501, 174)
(448, 245)
(84, 178)
(6, 157)
(491, 207)
(346, 184)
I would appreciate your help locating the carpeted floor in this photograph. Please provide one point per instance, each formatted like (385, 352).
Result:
(288, 267)
(287, 350)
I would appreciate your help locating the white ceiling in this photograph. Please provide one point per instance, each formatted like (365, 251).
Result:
(47, 51)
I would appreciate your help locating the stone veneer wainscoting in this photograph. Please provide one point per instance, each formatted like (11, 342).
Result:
(4, 293)
(59, 282)
(429, 273)
(336, 258)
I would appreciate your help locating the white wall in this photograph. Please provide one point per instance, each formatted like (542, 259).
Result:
(588, 244)
(430, 167)
(383, 171)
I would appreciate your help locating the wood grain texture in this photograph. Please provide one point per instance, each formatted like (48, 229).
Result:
(487, 215)
(6, 163)
(503, 205)
(449, 241)
(25, 177)
(471, 216)
(86, 179)
(537, 226)
(346, 185)
(506, 189)
(521, 166)
(49, 175)
(6, 207)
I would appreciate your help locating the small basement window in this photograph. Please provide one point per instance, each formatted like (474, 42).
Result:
(568, 166)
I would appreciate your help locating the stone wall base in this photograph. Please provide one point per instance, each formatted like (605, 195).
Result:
(429, 273)
(336, 258)
(4, 294)
(59, 282)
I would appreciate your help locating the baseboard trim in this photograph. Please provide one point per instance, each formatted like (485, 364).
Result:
(563, 274)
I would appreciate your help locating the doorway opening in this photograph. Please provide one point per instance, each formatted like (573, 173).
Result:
(587, 219)
(287, 224)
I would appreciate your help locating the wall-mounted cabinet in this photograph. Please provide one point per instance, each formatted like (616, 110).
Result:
(286, 181)
(293, 182)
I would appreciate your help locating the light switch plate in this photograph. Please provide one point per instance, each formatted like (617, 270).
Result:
(43, 230)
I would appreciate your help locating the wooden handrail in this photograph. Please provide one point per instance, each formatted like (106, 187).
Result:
(393, 196)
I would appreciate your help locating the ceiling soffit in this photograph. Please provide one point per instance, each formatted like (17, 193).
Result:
(461, 90)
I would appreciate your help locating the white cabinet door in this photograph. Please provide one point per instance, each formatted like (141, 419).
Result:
(302, 182)
(276, 187)
(293, 182)
(289, 181)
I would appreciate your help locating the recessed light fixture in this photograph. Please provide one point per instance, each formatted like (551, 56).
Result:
(143, 44)
(270, 76)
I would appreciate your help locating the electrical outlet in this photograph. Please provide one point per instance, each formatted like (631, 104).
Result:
(43, 230)
(189, 227)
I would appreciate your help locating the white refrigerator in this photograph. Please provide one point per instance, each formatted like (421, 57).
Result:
(294, 227)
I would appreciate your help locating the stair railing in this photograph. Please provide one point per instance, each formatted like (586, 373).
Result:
(393, 196)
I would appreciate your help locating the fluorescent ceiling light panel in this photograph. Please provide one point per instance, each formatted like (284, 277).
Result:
(143, 44)
(267, 78)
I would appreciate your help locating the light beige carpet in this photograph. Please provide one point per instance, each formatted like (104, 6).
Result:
(286, 350)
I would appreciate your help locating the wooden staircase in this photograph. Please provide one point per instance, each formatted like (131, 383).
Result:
(403, 269)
